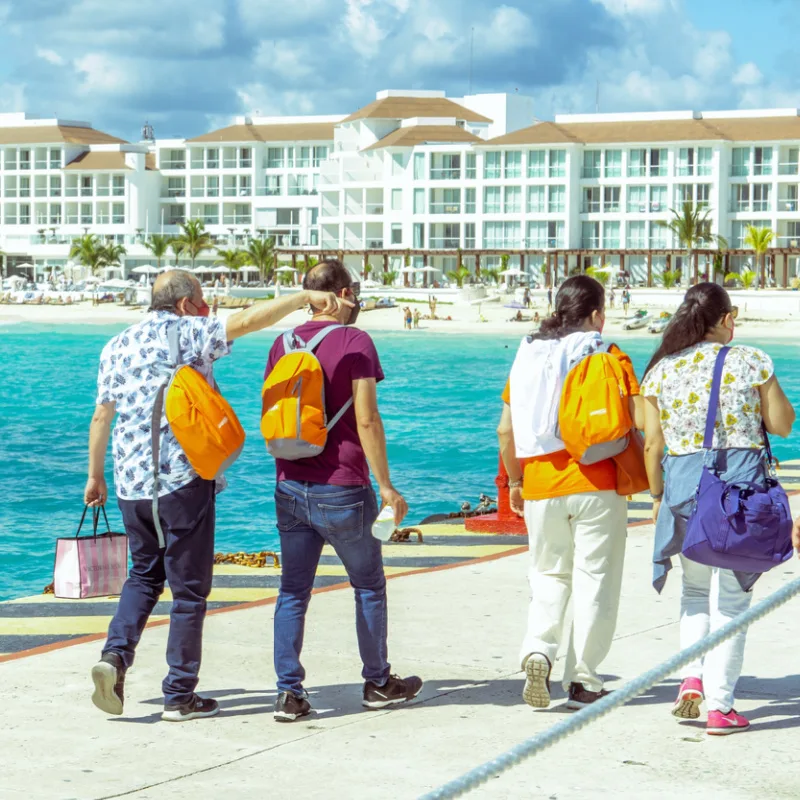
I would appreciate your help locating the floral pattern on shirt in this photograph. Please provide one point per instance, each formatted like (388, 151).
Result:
(133, 365)
(682, 385)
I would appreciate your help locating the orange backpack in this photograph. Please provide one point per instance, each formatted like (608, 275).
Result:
(294, 421)
(594, 417)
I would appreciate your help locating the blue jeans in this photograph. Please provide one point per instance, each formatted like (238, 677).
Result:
(309, 515)
(187, 519)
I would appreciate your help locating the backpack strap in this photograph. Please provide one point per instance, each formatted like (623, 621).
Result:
(713, 400)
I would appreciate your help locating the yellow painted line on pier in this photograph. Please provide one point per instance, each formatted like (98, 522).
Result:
(66, 626)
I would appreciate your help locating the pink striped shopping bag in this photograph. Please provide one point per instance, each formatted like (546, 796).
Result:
(91, 566)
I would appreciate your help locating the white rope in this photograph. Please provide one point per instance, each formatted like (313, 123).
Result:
(606, 705)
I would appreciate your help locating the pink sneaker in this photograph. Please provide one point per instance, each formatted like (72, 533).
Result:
(720, 724)
(690, 697)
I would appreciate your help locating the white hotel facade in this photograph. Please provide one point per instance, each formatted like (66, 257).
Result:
(413, 174)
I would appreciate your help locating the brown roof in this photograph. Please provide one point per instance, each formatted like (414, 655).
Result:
(423, 134)
(408, 107)
(286, 132)
(94, 160)
(761, 129)
(51, 134)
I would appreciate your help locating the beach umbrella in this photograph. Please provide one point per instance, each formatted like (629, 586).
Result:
(115, 283)
(286, 269)
(92, 279)
(146, 269)
(408, 270)
(248, 268)
(429, 269)
(199, 270)
(220, 270)
(514, 273)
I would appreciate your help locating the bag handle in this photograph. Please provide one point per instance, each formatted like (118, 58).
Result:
(735, 489)
(95, 520)
(713, 400)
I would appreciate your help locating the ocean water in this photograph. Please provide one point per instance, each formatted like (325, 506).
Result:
(440, 404)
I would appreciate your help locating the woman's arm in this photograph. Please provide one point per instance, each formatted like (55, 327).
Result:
(776, 409)
(508, 452)
(654, 445)
(636, 408)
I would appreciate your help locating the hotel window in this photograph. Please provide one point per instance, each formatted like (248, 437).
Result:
(86, 186)
(761, 196)
(174, 159)
(762, 162)
(55, 186)
(469, 235)
(196, 158)
(790, 166)
(274, 185)
(491, 200)
(502, 235)
(419, 235)
(303, 157)
(590, 235)
(419, 166)
(611, 197)
(591, 163)
(419, 201)
(118, 185)
(11, 214)
(397, 233)
(558, 163)
(512, 201)
(741, 162)
(611, 238)
(275, 158)
(555, 234)
(683, 194)
(637, 199)
(741, 197)
(705, 158)
(470, 203)
(637, 163)
(24, 160)
(471, 171)
(212, 184)
(24, 187)
(658, 236)
(298, 185)
(658, 199)
(245, 158)
(513, 164)
(102, 216)
(556, 200)
(25, 214)
(537, 235)
(55, 213)
(685, 165)
(10, 159)
(320, 154)
(739, 229)
(613, 164)
(86, 214)
(703, 195)
(445, 166)
(55, 158)
(212, 158)
(536, 163)
(637, 235)
(591, 200)
(491, 165)
(11, 187)
(397, 199)
(658, 162)
(536, 201)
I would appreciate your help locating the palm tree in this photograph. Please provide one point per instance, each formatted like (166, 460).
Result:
(111, 254)
(459, 276)
(718, 264)
(234, 260)
(759, 239)
(491, 275)
(260, 253)
(177, 247)
(158, 244)
(306, 266)
(87, 250)
(195, 239)
(389, 277)
(690, 226)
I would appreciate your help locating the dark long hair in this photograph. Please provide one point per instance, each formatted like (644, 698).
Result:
(701, 311)
(577, 298)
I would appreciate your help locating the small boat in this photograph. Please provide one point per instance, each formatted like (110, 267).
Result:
(660, 323)
(385, 302)
(638, 319)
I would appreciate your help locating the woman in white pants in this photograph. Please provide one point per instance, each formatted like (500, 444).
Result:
(577, 523)
(677, 389)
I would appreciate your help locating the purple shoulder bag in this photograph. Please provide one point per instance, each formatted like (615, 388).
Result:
(739, 525)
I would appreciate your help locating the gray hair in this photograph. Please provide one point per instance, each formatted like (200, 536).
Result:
(171, 287)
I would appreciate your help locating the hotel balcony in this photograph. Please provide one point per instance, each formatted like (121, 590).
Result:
(444, 243)
(789, 168)
(443, 174)
(173, 164)
(788, 205)
(447, 208)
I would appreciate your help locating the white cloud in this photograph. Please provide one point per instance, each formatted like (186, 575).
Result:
(363, 30)
(288, 59)
(509, 29)
(209, 30)
(50, 56)
(264, 100)
(621, 8)
(714, 57)
(748, 75)
(12, 97)
(103, 74)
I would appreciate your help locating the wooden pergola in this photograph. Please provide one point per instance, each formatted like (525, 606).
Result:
(557, 261)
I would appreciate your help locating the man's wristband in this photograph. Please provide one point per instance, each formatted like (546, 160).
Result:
(657, 496)
(515, 484)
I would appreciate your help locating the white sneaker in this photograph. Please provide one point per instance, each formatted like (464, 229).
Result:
(537, 680)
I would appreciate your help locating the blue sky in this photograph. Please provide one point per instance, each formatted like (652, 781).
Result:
(190, 65)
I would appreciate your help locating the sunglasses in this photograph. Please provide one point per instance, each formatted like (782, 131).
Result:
(355, 288)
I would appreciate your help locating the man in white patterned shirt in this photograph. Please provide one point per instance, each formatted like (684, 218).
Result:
(133, 366)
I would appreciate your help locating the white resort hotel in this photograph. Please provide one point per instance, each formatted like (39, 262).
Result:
(414, 179)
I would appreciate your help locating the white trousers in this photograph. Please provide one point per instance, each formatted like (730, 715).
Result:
(712, 597)
(577, 551)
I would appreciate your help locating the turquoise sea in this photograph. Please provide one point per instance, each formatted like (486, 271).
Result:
(440, 404)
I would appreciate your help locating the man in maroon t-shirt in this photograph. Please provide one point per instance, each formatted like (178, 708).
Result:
(329, 498)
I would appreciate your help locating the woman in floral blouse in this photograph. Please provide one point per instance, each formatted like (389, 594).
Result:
(677, 388)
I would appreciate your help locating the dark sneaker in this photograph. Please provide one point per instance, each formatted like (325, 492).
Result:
(579, 697)
(108, 675)
(197, 708)
(537, 680)
(393, 692)
(288, 707)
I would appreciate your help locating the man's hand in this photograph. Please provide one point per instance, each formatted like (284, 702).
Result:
(516, 501)
(796, 535)
(96, 492)
(327, 302)
(656, 508)
(391, 497)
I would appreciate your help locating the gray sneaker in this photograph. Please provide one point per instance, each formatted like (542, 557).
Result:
(108, 675)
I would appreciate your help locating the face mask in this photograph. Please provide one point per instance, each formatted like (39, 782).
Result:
(733, 331)
(354, 312)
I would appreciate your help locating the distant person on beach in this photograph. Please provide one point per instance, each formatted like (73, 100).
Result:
(526, 297)
(133, 366)
(576, 520)
(677, 389)
(611, 298)
(329, 499)
(432, 306)
(407, 318)
(549, 300)
(417, 317)
(626, 299)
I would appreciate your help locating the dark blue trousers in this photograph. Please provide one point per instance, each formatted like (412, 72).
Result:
(187, 519)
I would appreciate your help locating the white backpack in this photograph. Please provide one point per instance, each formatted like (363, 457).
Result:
(537, 380)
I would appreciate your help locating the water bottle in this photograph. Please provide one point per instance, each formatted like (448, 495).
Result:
(384, 526)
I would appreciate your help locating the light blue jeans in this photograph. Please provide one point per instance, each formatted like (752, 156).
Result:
(309, 515)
